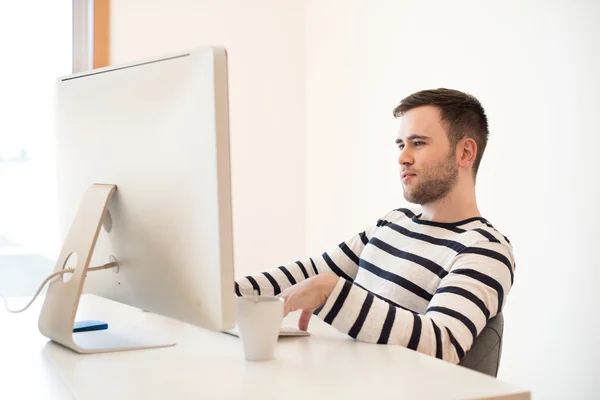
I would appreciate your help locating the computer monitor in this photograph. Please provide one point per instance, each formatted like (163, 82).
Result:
(158, 129)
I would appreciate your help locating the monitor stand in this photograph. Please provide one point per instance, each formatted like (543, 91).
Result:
(57, 317)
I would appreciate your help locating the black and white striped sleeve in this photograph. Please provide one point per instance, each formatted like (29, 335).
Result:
(342, 261)
(473, 291)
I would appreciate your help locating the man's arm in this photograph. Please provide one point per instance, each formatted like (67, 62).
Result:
(474, 291)
(341, 261)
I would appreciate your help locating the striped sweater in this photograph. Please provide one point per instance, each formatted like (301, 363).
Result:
(424, 285)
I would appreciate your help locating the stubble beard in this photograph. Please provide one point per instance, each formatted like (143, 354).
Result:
(435, 182)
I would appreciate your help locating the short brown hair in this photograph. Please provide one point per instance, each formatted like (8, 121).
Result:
(463, 113)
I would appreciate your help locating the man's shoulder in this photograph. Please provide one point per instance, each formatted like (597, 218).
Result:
(482, 231)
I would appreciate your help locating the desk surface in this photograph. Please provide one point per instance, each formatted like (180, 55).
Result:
(210, 365)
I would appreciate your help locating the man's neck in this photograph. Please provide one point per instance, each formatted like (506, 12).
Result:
(458, 205)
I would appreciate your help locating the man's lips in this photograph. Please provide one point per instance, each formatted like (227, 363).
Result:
(407, 175)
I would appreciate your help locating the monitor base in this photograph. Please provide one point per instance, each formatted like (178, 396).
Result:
(57, 317)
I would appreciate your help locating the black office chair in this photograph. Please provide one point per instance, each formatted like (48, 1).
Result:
(484, 355)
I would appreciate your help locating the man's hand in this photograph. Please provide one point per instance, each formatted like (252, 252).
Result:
(308, 295)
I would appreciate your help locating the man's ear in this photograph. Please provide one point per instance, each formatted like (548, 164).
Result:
(466, 152)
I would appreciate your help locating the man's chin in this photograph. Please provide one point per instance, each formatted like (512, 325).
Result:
(409, 198)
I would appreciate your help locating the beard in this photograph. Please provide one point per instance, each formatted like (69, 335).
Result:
(434, 182)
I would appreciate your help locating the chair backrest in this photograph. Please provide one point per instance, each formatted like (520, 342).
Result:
(484, 355)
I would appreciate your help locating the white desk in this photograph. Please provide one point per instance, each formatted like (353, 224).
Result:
(210, 365)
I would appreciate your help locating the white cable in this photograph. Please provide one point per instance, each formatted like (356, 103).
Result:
(48, 279)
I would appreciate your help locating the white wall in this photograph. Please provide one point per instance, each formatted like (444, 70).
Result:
(265, 40)
(534, 66)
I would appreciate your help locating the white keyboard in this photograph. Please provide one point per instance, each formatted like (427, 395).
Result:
(284, 331)
(288, 331)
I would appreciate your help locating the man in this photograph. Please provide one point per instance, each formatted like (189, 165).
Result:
(427, 281)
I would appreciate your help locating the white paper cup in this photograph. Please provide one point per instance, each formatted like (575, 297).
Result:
(258, 320)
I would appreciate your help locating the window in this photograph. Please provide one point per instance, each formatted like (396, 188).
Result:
(39, 39)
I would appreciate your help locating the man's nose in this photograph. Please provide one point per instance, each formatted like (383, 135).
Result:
(405, 157)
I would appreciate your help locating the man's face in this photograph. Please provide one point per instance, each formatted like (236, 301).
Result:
(428, 166)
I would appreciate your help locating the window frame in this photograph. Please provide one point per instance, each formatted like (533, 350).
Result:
(91, 34)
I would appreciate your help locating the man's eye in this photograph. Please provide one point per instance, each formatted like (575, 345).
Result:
(419, 143)
(400, 146)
